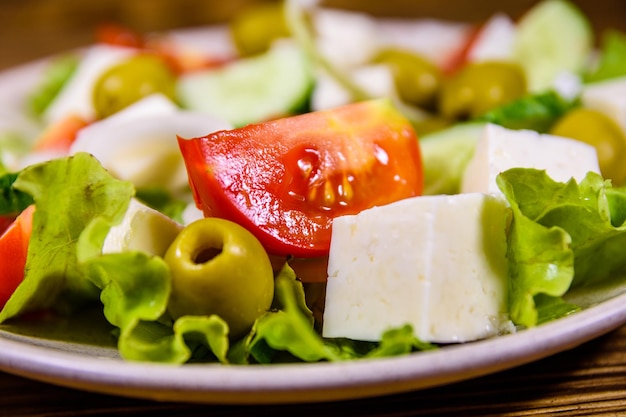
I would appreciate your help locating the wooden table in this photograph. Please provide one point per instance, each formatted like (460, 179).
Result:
(587, 380)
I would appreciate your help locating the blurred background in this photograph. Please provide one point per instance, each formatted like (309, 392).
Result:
(30, 29)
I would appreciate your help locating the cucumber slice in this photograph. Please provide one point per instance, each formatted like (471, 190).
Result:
(552, 37)
(275, 84)
(445, 154)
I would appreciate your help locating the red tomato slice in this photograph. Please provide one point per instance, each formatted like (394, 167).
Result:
(180, 59)
(459, 58)
(13, 250)
(61, 135)
(285, 180)
(118, 35)
(5, 222)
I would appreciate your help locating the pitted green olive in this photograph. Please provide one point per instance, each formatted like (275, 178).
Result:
(417, 80)
(480, 87)
(219, 267)
(131, 80)
(254, 29)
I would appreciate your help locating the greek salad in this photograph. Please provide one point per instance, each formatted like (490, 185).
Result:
(314, 184)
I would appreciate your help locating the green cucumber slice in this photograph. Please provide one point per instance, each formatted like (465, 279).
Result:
(445, 154)
(251, 90)
(552, 37)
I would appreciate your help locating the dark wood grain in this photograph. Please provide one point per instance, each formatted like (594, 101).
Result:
(588, 380)
(35, 28)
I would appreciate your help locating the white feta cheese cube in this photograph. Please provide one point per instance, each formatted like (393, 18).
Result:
(337, 33)
(139, 144)
(435, 262)
(375, 80)
(500, 149)
(143, 229)
(435, 39)
(495, 40)
(608, 97)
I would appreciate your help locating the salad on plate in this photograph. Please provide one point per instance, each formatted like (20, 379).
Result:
(311, 184)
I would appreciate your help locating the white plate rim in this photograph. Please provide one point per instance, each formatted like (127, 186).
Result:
(294, 383)
(300, 383)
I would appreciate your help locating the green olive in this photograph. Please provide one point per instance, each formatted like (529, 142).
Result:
(131, 80)
(431, 125)
(480, 87)
(417, 80)
(219, 267)
(254, 29)
(600, 131)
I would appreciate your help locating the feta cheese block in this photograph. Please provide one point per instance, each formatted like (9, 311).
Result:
(434, 39)
(376, 80)
(139, 143)
(435, 262)
(495, 40)
(337, 31)
(142, 229)
(500, 149)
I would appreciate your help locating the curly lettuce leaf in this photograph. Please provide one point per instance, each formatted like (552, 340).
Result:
(536, 112)
(12, 201)
(563, 236)
(612, 62)
(135, 289)
(54, 78)
(551, 308)
(540, 258)
(162, 200)
(289, 327)
(68, 193)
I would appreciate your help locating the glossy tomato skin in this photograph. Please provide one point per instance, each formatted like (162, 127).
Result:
(285, 180)
(13, 251)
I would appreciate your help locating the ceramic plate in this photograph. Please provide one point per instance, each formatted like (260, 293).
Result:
(86, 359)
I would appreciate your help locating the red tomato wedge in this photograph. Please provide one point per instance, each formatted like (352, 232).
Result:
(119, 35)
(61, 135)
(13, 250)
(285, 180)
(458, 59)
(180, 59)
(5, 222)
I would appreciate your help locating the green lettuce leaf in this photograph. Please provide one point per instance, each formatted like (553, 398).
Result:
(563, 236)
(135, 289)
(68, 193)
(551, 308)
(289, 327)
(399, 341)
(536, 112)
(163, 201)
(54, 78)
(540, 258)
(12, 201)
(134, 292)
(612, 62)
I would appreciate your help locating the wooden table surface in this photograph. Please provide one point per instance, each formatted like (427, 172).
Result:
(587, 380)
